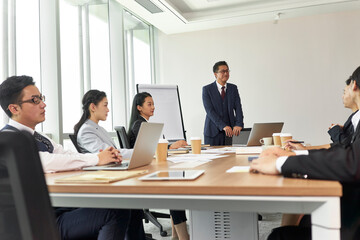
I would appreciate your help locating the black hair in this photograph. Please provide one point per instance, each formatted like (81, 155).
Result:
(218, 64)
(92, 96)
(139, 100)
(356, 76)
(11, 91)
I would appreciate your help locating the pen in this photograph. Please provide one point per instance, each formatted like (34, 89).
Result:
(297, 141)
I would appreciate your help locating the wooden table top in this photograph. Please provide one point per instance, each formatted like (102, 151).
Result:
(215, 181)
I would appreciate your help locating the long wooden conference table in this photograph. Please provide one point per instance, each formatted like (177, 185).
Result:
(215, 190)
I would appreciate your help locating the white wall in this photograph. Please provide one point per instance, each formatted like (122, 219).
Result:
(293, 71)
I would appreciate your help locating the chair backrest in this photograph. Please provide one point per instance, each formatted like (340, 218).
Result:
(25, 209)
(74, 141)
(122, 136)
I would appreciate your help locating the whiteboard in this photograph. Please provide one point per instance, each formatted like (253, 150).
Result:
(167, 109)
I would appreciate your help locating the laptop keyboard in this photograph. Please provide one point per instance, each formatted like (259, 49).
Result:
(118, 165)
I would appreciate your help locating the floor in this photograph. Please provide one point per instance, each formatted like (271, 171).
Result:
(269, 222)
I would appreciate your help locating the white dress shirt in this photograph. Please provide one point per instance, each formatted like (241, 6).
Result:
(219, 87)
(281, 160)
(60, 159)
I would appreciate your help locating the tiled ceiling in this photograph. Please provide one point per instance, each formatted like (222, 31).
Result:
(175, 16)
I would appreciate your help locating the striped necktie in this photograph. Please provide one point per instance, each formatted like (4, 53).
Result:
(43, 144)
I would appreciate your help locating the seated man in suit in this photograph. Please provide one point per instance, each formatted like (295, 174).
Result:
(340, 163)
(224, 116)
(338, 133)
(24, 104)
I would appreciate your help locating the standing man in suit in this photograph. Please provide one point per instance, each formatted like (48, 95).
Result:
(224, 116)
(340, 162)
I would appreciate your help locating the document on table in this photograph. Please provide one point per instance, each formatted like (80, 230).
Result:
(237, 169)
(248, 150)
(194, 157)
(188, 164)
(223, 150)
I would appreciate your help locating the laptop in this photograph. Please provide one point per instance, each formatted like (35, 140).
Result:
(144, 149)
(251, 137)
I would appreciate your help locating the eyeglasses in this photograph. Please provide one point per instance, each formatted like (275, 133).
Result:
(35, 100)
(224, 71)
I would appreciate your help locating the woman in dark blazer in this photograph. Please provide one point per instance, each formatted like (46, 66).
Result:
(141, 111)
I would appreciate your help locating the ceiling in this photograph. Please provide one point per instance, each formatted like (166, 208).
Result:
(176, 16)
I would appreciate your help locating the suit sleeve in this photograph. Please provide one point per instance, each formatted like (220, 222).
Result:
(337, 163)
(238, 110)
(335, 133)
(210, 110)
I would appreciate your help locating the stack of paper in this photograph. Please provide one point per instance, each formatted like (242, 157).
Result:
(99, 176)
(248, 150)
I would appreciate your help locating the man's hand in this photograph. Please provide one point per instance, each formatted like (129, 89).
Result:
(265, 165)
(178, 144)
(333, 125)
(237, 130)
(109, 155)
(293, 146)
(276, 151)
(228, 131)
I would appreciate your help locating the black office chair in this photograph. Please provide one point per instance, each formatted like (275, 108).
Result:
(25, 209)
(74, 141)
(148, 215)
(122, 136)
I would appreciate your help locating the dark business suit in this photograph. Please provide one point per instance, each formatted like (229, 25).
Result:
(341, 135)
(221, 113)
(134, 130)
(340, 163)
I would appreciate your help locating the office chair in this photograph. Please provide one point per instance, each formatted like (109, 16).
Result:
(25, 209)
(148, 215)
(74, 141)
(122, 136)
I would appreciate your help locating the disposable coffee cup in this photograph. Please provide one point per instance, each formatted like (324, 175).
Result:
(276, 138)
(284, 137)
(196, 145)
(266, 141)
(161, 150)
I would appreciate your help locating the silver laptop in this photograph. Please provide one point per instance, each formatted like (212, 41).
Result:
(144, 149)
(258, 131)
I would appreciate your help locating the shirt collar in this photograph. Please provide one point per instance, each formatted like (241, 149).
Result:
(355, 120)
(20, 126)
(144, 118)
(219, 86)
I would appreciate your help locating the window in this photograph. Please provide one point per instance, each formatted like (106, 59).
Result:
(71, 69)
(138, 53)
(27, 39)
(100, 54)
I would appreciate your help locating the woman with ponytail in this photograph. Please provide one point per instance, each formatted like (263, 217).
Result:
(90, 136)
(93, 138)
(141, 111)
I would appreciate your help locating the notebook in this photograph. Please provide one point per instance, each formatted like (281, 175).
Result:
(100, 176)
(144, 149)
(258, 131)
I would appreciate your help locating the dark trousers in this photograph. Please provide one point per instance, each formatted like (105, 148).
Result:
(301, 232)
(93, 223)
(219, 140)
(178, 216)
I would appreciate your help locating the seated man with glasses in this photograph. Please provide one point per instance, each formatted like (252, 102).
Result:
(23, 103)
(224, 116)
